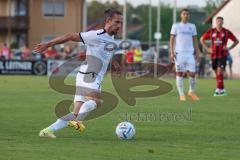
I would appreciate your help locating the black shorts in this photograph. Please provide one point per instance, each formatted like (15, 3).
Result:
(219, 63)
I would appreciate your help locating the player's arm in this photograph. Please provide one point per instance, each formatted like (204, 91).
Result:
(203, 39)
(58, 40)
(172, 45)
(235, 43)
(234, 39)
(196, 48)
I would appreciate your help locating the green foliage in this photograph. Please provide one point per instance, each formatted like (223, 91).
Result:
(140, 16)
(211, 5)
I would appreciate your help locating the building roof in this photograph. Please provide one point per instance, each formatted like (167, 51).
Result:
(210, 17)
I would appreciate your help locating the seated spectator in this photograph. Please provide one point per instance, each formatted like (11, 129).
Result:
(137, 58)
(129, 59)
(50, 53)
(26, 53)
(82, 55)
(67, 52)
(6, 52)
(229, 63)
(1, 56)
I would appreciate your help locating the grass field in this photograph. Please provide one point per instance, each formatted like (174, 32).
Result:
(212, 132)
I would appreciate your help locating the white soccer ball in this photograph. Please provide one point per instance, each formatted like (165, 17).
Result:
(125, 131)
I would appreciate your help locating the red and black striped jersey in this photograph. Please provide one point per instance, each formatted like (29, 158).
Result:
(218, 39)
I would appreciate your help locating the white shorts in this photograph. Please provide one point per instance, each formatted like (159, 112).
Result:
(85, 84)
(185, 62)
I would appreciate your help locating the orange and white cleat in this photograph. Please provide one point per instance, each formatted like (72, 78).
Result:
(193, 96)
(182, 98)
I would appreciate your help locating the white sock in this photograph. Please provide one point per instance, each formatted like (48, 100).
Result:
(86, 108)
(192, 84)
(180, 85)
(61, 122)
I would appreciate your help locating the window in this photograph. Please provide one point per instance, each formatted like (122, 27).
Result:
(54, 8)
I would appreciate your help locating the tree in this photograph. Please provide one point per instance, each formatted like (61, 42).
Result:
(211, 5)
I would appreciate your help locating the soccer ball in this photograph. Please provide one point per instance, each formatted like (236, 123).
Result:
(125, 130)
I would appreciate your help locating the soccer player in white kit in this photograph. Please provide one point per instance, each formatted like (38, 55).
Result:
(95, 41)
(184, 52)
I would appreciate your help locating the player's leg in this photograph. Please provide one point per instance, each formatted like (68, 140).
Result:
(90, 104)
(221, 65)
(180, 69)
(61, 123)
(215, 69)
(230, 70)
(191, 68)
(90, 95)
(180, 86)
(93, 100)
(192, 86)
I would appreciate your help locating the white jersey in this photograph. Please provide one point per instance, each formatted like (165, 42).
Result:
(184, 33)
(97, 42)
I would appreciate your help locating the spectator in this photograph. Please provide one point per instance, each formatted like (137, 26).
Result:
(137, 58)
(128, 60)
(67, 52)
(1, 56)
(26, 53)
(229, 63)
(82, 55)
(50, 53)
(201, 66)
(6, 52)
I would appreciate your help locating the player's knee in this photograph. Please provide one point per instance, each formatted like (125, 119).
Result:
(95, 99)
(95, 96)
(220, 71)
(77, 106)
(179, 74)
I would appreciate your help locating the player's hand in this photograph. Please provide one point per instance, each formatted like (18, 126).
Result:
(225, 48)
(197, 56)
(41, 47)
(209, 50)
(172, 57)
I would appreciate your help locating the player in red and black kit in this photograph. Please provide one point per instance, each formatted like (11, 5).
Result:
(219, 51)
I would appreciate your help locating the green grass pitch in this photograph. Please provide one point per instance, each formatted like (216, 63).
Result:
(211, 132)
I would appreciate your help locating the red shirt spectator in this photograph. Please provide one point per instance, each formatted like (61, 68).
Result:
(6, 52)
(25, 52)
(67, 52)
(50, 53)
(130, 56)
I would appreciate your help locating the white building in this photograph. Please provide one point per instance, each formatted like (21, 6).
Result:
(230, 11)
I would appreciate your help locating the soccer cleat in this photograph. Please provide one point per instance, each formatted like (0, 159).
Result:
(223, 93)
(182, 98)
(220, 94)
(193, 96)
(216, 94)
(46, 133)
(77, 125)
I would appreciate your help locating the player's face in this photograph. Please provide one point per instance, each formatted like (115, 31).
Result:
(219, 23)
(115, 24)
(185, 15)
